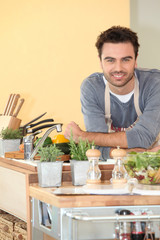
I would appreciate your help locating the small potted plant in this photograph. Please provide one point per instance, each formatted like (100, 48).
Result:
(50, 167)
(79, 162)
(9, 140)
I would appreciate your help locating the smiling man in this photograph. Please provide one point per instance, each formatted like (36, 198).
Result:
(121, 106)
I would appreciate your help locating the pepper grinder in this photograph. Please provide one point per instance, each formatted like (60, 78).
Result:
(94, 173)
(119, 173)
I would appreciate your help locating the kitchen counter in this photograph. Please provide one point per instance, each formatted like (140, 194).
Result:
(15, 177)
(19, 185)
(75, 212)
(74, 200)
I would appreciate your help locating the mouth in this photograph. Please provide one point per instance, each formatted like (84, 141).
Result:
(118, 75)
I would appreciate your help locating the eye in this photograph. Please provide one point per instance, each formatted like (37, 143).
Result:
(127, 59)
(110, 60)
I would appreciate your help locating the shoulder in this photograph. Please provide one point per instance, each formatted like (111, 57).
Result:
(94, 80)
(145, 73)
(148, 77)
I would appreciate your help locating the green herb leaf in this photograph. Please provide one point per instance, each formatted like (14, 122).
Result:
(50, 153)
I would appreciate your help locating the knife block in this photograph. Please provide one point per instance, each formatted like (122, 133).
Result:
(9, 121)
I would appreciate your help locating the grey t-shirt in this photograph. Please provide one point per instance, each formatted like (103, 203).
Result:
(144, 133)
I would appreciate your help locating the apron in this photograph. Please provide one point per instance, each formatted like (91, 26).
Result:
(136, 104)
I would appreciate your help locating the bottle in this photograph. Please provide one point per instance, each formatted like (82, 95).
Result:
(125, 227)
(149, 233)
(137, 233)
(116, 230)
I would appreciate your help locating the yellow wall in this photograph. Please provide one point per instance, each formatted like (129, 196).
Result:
(47, 47)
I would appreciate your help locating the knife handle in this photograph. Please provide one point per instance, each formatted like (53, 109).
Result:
(6, 107)
(14, 103)
(43, 121)
(35, 119)
(19, 107)
(40, 127)
(10, 104)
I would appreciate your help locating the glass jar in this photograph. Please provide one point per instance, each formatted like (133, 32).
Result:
(94, 173)
(119, 173)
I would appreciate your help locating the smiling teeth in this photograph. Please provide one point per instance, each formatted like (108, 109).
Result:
(118, 76)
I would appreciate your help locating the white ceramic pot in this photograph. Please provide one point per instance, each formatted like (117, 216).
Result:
(9, 145)
(50, 174)
(79, 171)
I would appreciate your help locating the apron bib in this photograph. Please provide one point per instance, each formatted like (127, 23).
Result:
(136, 104)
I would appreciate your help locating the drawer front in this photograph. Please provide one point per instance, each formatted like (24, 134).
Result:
(13, 192)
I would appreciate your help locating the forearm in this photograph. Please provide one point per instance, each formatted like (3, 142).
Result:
(106, 139)
(101, 139)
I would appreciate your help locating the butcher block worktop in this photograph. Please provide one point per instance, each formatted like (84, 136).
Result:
(64, 201)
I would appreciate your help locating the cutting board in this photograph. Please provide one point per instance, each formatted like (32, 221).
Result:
(20, 155)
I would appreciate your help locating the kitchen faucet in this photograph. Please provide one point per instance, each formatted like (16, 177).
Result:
(57, 126)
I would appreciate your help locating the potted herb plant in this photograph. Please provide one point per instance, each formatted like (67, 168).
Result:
(9, 140)
(49, 168)
(79, 162)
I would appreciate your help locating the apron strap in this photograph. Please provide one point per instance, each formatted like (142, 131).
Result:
(136, 97)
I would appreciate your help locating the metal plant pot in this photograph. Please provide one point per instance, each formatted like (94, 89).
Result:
(9, 145)
(50, 174)
(79, 171)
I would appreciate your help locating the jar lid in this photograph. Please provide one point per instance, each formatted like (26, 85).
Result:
(93, 152)
(118, 152)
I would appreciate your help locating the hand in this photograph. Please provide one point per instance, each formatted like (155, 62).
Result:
(73, 128)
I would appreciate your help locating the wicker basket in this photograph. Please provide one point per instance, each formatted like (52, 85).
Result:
(1, 211)
(7, 222)
(20, 231)
(12, 228)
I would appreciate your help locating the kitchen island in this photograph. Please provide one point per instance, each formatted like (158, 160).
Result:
(16, 175)
(85, 216)
(69, 216)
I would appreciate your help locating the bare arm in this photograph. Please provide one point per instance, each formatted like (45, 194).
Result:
(100, 139)
(104, 139)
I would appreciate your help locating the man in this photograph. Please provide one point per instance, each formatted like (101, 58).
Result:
(121, 106)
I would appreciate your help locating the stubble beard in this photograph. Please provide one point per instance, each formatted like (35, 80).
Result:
(115, 83)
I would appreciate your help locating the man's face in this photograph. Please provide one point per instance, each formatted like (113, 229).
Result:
(118, 63)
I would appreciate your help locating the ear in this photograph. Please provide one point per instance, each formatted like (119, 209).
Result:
(136, 63)
(100, 63)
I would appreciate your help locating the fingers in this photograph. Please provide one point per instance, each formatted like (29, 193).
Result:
(68, 130)
(73, 128)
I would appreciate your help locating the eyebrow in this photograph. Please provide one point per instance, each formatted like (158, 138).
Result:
(130, 57)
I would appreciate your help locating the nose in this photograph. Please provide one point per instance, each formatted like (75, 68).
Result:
(118, 66)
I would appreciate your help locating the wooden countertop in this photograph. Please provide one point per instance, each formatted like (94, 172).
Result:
(16, 167)
(46, 194)
(70, 201)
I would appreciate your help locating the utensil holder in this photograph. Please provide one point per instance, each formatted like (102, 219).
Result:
(10, 122)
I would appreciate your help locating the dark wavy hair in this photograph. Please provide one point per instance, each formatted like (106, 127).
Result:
(117, 34)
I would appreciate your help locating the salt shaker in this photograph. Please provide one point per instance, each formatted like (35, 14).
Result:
(94, 173)
(119, 173)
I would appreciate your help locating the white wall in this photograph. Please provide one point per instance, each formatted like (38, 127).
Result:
(145, 20)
